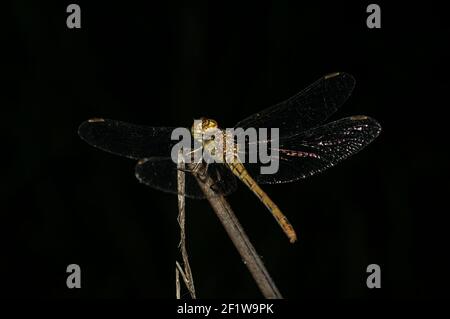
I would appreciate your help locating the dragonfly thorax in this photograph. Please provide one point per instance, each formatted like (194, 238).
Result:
(214, 141)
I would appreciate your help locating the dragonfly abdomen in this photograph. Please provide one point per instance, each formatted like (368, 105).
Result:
(239, 170)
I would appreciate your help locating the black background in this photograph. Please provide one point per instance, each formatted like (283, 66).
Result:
(160, 64)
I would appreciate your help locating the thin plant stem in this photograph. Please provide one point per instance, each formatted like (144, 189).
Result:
(240, 240)
(186, 273)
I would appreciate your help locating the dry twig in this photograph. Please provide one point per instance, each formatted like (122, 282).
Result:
(240, 240)
(186, 274)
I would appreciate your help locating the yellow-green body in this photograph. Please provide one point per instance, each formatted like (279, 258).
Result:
(238, 169)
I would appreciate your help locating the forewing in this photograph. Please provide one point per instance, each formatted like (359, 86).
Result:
(126, 139)
(307, 109)
(317, 149)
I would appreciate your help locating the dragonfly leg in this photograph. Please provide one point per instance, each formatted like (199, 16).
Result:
(195, 169)
(191, 168)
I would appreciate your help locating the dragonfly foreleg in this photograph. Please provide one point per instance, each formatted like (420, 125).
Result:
(193, 167)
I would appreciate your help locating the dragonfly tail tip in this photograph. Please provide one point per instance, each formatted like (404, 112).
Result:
(293, 238)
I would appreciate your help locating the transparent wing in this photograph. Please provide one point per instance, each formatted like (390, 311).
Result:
(317, 149)
(161, 173)
(126, 139)
(307, 109)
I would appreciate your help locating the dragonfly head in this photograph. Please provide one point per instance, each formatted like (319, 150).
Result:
(203, 125)
(208, 124)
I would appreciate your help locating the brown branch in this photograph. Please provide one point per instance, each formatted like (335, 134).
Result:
(177, 282)
(240, 240)
(187, 273)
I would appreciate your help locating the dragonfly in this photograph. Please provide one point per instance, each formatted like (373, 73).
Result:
(307, 144)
